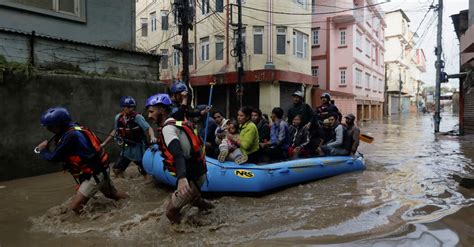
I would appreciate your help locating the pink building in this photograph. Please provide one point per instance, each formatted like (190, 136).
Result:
(348, 55)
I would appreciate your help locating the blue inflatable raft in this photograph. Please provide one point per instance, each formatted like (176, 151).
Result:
(251, 178)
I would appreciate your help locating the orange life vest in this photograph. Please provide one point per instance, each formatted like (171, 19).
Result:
(128, 129)
(81, 168)
(197, 148)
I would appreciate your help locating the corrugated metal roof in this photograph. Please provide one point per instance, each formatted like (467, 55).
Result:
(44, 36)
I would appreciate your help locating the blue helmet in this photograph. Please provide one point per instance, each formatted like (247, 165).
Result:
(55, 116)
(127, 101)
(159, 99)
(178, 87)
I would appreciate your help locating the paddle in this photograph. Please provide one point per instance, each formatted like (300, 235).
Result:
(366, 138)
(208, 113)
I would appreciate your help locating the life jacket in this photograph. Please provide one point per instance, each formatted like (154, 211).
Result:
(197, 147)
(128, 129)
(83, 169)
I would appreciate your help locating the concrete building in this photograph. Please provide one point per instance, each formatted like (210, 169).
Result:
(277, 51)
(464, 27)
(404, 65)
(105, 22)
(348, 54)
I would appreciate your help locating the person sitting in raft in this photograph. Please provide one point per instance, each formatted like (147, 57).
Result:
(299, 139)
(248, 142)
(84, 158)
(200, 121)
(229, 149)
(263, 126)
(221, 122)
(327, 108)
(353, 132)
(327, 131)
(335, 147)
(316, 136)
(277, 148)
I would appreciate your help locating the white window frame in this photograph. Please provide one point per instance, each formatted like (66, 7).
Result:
(204, 49)
(205, 7)
(315, 71)
(300, 52)
(153, 21)
(78, 15)
(220, 40)
(315, 36)
(164, 13)
(358, 39)
(258, 30)
(301, 2)
(176, 57)
(358, 77)
(343, 76)
(144, 23)
(164, 53)
(342, 37)
(281, 31)
(368, 47)
(368, 78)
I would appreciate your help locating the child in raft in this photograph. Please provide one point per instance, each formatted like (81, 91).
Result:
(229, 148)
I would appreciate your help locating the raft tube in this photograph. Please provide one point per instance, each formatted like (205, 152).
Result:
(250, 178)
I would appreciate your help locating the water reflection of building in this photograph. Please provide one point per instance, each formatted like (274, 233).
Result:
(464, 27)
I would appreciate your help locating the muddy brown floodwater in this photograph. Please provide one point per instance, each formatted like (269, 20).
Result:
(405, 197)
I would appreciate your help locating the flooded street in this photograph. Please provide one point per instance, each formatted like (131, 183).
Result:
(405, 197)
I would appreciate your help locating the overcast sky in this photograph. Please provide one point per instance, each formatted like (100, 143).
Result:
(415, 10)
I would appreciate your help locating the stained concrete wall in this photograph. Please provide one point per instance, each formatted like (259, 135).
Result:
(92, 102)
(107, 22)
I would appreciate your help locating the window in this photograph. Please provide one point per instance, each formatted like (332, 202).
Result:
(342, 37)
(205, 7)
(219, 47)
(358, 78)
(144, 26)
(301, 2)
(205, 49)
(342, 76)
(359, 40)
(281, 41)
(69, 9)
(257, 40)
(153, 21)
(315, 37)
(176, 58)
(368, 46)
(313, 6)
(381, 86)
(367, 80)
(220, 5)
(300, 43)
(164, 20)
(315, 71)
(164, 58)
(191, 54)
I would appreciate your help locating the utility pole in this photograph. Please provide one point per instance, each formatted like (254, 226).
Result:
(240, 47)
(185, 15)
(439, 65)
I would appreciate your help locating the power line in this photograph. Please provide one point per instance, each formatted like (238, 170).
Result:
(322, 13)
